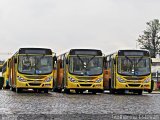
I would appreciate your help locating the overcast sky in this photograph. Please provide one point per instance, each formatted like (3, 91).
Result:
(108, 25)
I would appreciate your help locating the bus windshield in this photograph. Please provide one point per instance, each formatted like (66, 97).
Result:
(29, 64)
(134, 66)
(85, 65)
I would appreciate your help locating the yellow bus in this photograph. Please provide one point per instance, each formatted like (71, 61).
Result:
(5, 74)
(1, 78)
(1, 64)
(128, 70)
(80, 70)
(32, 68)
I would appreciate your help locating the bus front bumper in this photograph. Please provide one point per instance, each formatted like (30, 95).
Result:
(30, 85)
(86, 86)
(143, 86)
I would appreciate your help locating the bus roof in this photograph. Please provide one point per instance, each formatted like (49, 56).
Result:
(85, 52)
(133, 53)
(35, 51)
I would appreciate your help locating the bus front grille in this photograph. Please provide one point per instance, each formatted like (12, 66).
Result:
(86, 78)
(85, 81)
(35, 77)
(35, 80)
(134, 85)
(34, 84)
(85, 85)
(134, 78)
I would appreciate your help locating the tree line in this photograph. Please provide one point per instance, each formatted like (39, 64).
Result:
(150, 39)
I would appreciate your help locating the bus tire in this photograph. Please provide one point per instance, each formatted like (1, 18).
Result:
(1, 82)
(55, 89)
(81, 91)
(39, 90)
(12, 89)
(139, 92)
(111, 90)
(35, 90)
(77, 91)
(45, 90)
(18, 90)
(67, 91)
(94, 91)
(7, 87)
(152, 86)
(59, 90)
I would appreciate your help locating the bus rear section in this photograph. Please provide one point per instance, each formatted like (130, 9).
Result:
(80, 70)
(130, 71)
(32, 68)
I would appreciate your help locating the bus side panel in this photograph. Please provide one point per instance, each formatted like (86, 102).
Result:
(9, 73)
(112, 75)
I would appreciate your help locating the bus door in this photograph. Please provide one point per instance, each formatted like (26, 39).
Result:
(113, 79)
(13, 75)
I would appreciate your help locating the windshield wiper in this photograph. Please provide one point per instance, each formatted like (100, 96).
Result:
(129, 59)
(81, 61)
(90, 60)
(139, 60)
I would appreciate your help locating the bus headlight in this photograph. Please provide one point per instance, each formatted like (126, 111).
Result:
(21, 79)
(49, 79)
(71, 79)
(147, 80)
(99, 80)
(121, 80)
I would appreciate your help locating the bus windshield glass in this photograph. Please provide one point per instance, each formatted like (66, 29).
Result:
(29, 64)
(85, 65)
(134, 66)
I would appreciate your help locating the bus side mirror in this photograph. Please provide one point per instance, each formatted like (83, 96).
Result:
(104, 60)
(1, 69)
(114, 60)
(15, 60)
(67, 61)
(151, 61)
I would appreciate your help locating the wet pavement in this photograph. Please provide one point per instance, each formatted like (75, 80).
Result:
(57, 106)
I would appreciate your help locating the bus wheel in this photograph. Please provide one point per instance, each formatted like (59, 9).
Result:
(1, 82)
(55, 89)
(150, 91)
(59, 90)
(152, 86)
(7, 87)
(81, 91)
(18, 90)
(45, 90)
(140, 92)
(112, 91)
(12, 89)
(77, 91)
(121, 92)
(35, 90)
(39, 90)
(94, 91)
(67, 91)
